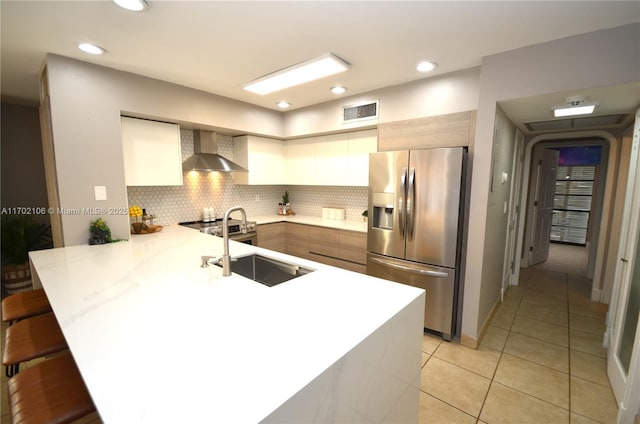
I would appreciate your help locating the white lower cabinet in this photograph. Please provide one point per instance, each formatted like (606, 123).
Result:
(151, 152)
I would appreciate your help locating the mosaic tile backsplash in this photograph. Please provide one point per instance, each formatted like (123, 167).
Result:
(174, 204)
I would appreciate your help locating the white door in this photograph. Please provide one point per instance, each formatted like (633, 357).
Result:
(623, 353)
(545, 171)
(514, 211)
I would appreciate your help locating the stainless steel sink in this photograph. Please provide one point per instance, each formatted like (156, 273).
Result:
(265, 270)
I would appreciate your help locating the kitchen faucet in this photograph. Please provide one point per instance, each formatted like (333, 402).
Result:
(226, 259)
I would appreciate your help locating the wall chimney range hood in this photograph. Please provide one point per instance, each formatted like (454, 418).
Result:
(205, 155)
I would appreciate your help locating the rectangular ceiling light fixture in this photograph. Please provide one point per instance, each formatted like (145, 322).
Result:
(310, 70)
(573, 110)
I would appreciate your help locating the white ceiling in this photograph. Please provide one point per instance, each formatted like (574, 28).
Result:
(218, 46)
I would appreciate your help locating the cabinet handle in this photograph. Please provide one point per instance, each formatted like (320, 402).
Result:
(624, 260)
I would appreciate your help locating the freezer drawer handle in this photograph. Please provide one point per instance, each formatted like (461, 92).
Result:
(411, 269)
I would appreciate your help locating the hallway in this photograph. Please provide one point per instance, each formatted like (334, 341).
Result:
(541, 359)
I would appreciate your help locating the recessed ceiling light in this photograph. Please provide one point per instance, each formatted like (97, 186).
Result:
(310, 70)
(283, 105)
(426, 66)
(338, 89)
(90, 48)
(135, 5)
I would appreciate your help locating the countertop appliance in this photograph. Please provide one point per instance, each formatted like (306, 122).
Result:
(236, 232)
(415, 209)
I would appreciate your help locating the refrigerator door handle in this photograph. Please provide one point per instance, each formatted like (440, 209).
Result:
(411, 269)
(401, 210)
(411, 197)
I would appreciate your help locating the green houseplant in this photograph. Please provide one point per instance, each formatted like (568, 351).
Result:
(21, 234)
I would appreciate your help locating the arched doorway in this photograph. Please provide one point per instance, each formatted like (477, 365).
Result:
(601, 213)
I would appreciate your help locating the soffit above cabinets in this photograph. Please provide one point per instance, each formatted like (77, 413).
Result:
(580, 123)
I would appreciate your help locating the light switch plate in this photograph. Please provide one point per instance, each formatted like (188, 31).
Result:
(100, 192)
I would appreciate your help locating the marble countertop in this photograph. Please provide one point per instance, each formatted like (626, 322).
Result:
(359, 226)
(157, 338)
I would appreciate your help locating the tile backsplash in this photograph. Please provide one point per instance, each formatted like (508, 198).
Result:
(173, 204)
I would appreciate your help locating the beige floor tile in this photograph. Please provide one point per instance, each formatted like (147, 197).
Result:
(541, 330)
(456, 386)
(543, 313)
(543, 299)
(482, 361)
(593, 401)
(580, 419)
(425, 358)
(508, 406)
(494, 338)
(588, 308)
(536, 380)
(587, 343)
(430, 343)
(589, 367)
(538, 351)
(503, 318)
(512, 298)
(434, 411)
(588, 324)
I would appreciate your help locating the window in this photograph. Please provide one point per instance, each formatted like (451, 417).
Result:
(572, 204)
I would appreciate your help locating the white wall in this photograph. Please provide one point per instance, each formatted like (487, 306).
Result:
(438, 95)
(596, 59)
(86, 103)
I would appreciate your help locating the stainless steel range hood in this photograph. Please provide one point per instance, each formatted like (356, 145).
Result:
(205, 155)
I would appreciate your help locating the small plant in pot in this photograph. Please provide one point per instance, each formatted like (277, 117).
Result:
(20, 235)
(365, 215)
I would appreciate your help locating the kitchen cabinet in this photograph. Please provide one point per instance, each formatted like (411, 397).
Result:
(344, 249)
(332, 160)
(361, 143)
(300, 167)
(450, 130)
(340, 248)
(271, 236)
(296, 240)
(151, 152)
(263, 157)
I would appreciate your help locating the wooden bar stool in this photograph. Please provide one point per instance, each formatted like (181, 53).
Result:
(31, 338)
(51, 392)
(24, 305)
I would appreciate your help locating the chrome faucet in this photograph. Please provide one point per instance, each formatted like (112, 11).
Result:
(226, 259)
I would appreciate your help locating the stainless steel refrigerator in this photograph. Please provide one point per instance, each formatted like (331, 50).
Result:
(415, 226)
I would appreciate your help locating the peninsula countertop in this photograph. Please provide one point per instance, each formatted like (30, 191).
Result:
(340, 224)
(157, 338)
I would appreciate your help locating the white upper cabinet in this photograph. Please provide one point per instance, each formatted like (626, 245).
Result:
(151, 152)
(332, 160)
(300, 168)
(263, 157)
(361, 143)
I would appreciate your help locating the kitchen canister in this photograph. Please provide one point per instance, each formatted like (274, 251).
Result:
(334, 213)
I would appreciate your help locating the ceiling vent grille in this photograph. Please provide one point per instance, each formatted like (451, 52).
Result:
(360, 112)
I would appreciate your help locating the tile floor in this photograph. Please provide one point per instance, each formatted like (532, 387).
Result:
(541, 360)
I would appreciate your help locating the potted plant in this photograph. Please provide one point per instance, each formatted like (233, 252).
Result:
(285, 203)
(20, 235)
(365, 215)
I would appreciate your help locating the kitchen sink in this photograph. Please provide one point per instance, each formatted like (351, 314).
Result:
(265, 270)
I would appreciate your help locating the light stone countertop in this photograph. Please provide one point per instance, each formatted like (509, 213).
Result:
(359, 226)
(157, 338)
